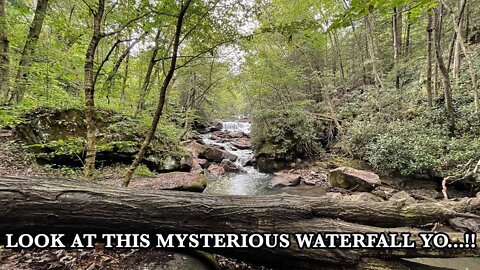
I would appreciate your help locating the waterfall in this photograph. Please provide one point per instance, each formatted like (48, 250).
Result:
(237, 126)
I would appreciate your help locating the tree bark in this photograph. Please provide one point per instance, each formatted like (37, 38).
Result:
(397, 42)
(26, 58)
(460, 42)
(56, 206)
(162, 96)
(146, 82)
(443, 69)
(429, 60)
(89, 87)
(4, 57)
(371, 51)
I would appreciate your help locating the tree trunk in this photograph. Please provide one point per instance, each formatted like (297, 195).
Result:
(162, 96)
(443, 69)
(371, 51)
(471, 66)
(146, 82)
(56, 206)
(4, 58)
(26, 58)
(429, 60)
(89, 86)
(397, 42)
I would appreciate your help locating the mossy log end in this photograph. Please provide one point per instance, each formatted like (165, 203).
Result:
(51, 205)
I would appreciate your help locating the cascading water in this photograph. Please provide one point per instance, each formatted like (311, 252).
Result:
(237, 127)
(249, 182)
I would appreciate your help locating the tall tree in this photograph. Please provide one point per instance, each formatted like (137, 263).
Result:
(4, 59)
(89, 88)
(443, 69)
(148, 75)
(471, 67)
(162, 96)
(397, 42)
(26, 58)
(429, 59)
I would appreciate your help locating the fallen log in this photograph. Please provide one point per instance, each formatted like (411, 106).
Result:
(30, 205)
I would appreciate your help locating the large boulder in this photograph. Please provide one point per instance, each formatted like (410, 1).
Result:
(285, 180)
(353, 179)
(230, 166)
(216, 170)
(242, 143)
(216, 155)
(57, 137)
(270, 164)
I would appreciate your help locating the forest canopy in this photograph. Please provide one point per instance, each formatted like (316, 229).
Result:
(392, 83)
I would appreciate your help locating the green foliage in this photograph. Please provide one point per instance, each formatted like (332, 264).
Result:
(410, 139)
(285, 134)
(144, 171)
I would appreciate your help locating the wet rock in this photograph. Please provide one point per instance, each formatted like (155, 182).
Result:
(285, 180)
(402, 196)
(353, 179)
(210, 153)
(215, 126)
(242, 143)
(270, 164)
(216, 155)
(199, 126)
(216, 170)
(236, 134)
(230, 166)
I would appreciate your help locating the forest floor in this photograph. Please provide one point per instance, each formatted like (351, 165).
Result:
(16, 161)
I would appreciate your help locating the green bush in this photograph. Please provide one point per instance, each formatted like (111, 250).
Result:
(285, 134)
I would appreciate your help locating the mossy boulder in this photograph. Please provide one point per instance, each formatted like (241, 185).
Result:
(353, 179)
(57, 137)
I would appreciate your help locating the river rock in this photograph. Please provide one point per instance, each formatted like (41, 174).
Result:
(353, 179)
(285, 180)
(402, 196)
(270, 164)
(210, 153)
(216, 155)
(215, 126)
(242, 143)
(230, 166)
(216, 170)
(236, 134)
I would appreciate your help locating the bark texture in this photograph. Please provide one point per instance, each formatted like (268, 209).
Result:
(46, 205)
(429, 60)
(443, 69)
(26, 59)
(89, 87)
(4, 59)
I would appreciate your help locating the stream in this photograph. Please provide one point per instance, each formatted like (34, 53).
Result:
(253, 182)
